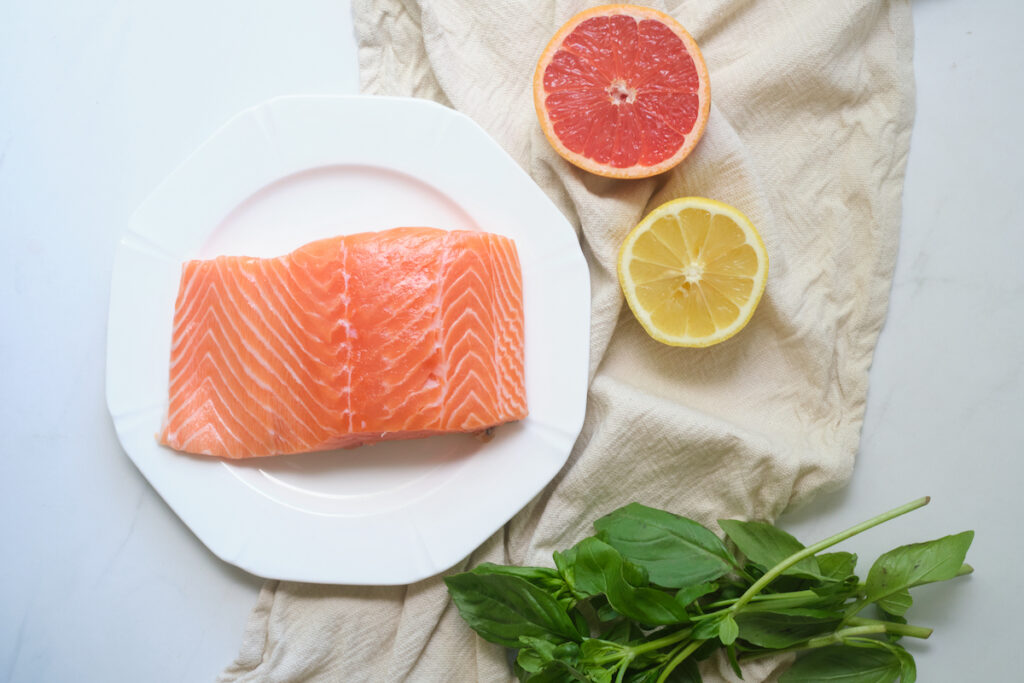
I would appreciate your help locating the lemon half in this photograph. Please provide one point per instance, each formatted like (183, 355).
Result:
(693, 271)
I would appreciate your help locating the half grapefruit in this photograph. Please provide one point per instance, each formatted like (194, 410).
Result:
(622, 91)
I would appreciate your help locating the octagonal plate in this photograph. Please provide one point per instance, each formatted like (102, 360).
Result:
(292, 170)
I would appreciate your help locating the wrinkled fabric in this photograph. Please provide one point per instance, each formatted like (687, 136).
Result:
(812, 108)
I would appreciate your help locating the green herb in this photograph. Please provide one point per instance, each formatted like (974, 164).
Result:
(675, 551)
(652, 594)
(767, 546)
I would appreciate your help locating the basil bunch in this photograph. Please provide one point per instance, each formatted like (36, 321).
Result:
(653, 593)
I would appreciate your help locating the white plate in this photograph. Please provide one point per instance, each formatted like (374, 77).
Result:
(296, 169)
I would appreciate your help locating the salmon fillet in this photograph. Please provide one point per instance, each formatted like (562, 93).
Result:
(347, 341)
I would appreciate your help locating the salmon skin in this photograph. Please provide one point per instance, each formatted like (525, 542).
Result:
(347, 341)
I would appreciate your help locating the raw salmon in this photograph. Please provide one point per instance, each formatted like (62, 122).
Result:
(347, 341)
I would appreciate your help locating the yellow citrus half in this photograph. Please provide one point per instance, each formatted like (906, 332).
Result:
(693, 271)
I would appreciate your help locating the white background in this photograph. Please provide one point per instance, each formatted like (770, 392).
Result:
(99, 100)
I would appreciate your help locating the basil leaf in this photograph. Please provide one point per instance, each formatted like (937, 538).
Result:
(844, 664)
(585, 576)
(730, 653)
(565, 665)
(598, 674)
(785, 628)
(837, 591)
(597, 568)
(536, 653)
(529, 573)
(916, 564)
(622, 632)
(529, 660)
(579, 621)
(595, 648)
(648, 606)
(684, 596)
(767, 546)
(558, 672)
(896, 604)
(545, 578)
(565, 563)
(706, 629)
(607, 613)
(705, 651)
(728, 630)
(502, 608)
(568, 652)
(839, 566)
(570, 663)
(908, 668)
(634, 574)
(675, 551)
(731, 591)
(686, 672)
(544, 647)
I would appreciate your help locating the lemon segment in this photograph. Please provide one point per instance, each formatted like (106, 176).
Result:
(693, 271)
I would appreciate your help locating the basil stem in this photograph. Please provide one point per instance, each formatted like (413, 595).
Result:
(810, 550)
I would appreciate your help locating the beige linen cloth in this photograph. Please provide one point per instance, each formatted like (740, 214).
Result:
(812, 107)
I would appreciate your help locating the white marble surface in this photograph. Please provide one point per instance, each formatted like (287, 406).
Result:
(99, 100)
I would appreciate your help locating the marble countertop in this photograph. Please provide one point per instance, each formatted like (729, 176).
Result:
(99, 100)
